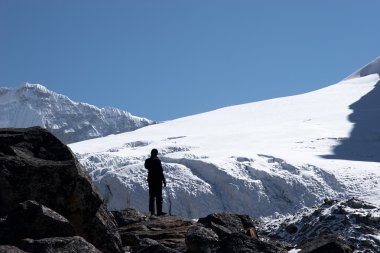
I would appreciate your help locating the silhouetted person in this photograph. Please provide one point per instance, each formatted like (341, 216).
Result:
(155, 180)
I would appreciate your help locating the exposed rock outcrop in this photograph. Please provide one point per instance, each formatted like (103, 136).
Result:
(74, 244)
(224, 224)
(10, 249)
(200, 239)
(355, 221)
(144, 233)
(35, 165)
(327, 244)
(32, 220)
(238, 242)
(216, 233)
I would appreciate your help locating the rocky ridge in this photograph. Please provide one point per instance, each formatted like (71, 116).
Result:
(216, 233)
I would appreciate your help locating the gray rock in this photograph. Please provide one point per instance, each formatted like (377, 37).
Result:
(49, 174)
(201, 240)
(32, 220)
(147, 242)
(327, 244)
(157, 248)
(357, 204)
(225, 224)
(169, 231)
(128, 216)
(239, 243)
(74, 244)
(355, 220)
(10, 249)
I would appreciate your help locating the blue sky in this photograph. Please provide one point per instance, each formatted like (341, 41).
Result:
(171, 58)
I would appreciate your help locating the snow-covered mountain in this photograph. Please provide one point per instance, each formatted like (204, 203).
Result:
(35, 105)
(263, 159)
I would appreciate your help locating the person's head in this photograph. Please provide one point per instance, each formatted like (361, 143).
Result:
(154, 153)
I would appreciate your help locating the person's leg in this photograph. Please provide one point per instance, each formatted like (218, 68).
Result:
(159, 200)
(151, 199)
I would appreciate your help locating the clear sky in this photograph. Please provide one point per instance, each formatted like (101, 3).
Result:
(172, 58)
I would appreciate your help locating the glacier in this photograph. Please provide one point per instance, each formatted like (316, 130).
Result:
(265, 159)
(35, 105)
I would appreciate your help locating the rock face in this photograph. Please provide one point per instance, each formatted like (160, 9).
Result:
(235, 233)
(10, 249)
(35, 165)
(327, 244)
(216, 233)
(201, 239)
(74, 244)
(31, 220)
(150, 234)
(224, 224)
(237, 242)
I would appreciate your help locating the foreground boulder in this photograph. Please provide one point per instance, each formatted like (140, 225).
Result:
(228, 233)
(35, 165)
(224, 224)
(238, 242)
(143, 233)
(74, 244)
(128, 216)
(200, 239)
(32, 220)
(10, 249)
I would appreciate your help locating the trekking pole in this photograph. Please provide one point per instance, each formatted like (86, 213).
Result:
(169, 201)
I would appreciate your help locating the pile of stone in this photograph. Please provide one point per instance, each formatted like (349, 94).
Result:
(216, 233)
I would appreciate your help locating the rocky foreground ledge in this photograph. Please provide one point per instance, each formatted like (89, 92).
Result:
(48, 204)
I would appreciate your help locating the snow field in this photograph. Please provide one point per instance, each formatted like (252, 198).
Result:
(268, 158)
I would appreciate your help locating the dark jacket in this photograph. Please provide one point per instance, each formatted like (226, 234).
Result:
(155, 171)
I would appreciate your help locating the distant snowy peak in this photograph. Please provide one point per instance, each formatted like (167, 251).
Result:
(35, 105)
(369, 69)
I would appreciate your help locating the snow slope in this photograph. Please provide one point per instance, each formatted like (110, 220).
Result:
(264, 159)
(34, 105)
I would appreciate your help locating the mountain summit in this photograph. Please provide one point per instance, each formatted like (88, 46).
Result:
(35, 105)
(371, 68)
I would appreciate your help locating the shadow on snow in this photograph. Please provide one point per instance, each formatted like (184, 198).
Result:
(363, 144)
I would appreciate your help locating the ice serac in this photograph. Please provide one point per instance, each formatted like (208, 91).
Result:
(265, 158)
(35, 105)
